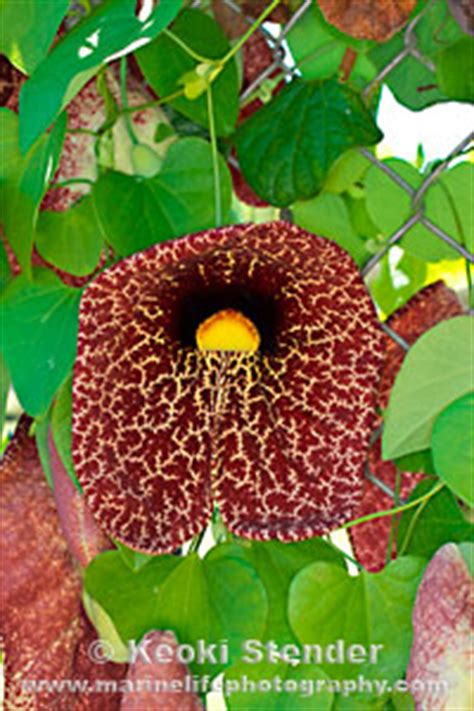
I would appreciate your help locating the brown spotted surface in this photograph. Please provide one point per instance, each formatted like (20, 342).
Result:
(44, 631)
(433, 304)
(163, 682)
(368, 19)
(277, 439)
(85, 540)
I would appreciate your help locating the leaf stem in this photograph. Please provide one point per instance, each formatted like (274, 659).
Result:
(87, 131)
(153, 102)
(411, 527)
(394, 519)
(198, 57)
(397, 509)
(343, 553)
(260, 19)
(124, 101)
(196, 541)
(73, 181)
(470, 290)
(215, 159)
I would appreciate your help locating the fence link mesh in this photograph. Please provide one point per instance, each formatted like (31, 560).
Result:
(277, 43)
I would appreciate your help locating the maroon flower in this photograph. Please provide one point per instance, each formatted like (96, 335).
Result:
(46, 636)
(433, 304)
(239, 367)
(43, 627)
(440, 668)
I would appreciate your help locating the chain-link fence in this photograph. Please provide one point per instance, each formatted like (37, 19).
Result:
(281, 62)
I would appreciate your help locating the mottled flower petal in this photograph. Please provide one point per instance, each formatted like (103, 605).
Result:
(85, 540)
(368, 19)
(43, 628)
(278, 438)
(167, 677)
(442, 655)
(431, 305)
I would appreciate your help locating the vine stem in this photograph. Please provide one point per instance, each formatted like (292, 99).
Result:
(73, 181)
(343, 553)
(196, 542)
(397, 509)
(124, 101)
(411, 527)
(198, 57)
(153, 102)
(394, 519)
(215, 158)
(260, 19)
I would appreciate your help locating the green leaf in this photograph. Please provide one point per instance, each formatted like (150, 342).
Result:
(111, 30)
(318, 49)
(105, 629)
(276, 564)
(467, 552)
(401, 701)
(417, 462)
(326, 604)
(61, 427)
(217, 598)
(134, 559)
(138, 213)
(28, 30)
(327, 215)
(164, 64)
(445, 205)
(397, 281)
(413, 83)
(4, 389)
(436, 371)
(293, 688)
(453, 447)
(427, 527)
(347, 170)
(455, 70)
(24, 181)
(71, 240)
(388, 204)
(131, 599)
(5, 271)
(286, 148)
(41, 438)
(39, 321)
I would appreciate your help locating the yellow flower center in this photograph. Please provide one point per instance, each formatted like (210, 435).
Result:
(227, 330)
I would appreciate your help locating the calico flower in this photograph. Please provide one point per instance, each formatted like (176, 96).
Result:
(46, 635)
(237, 367)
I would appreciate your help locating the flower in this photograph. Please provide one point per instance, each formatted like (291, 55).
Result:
(440, 667)
(367, 19)
(272, 427)
(431, 305)
(44, 628)
(47, 636)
